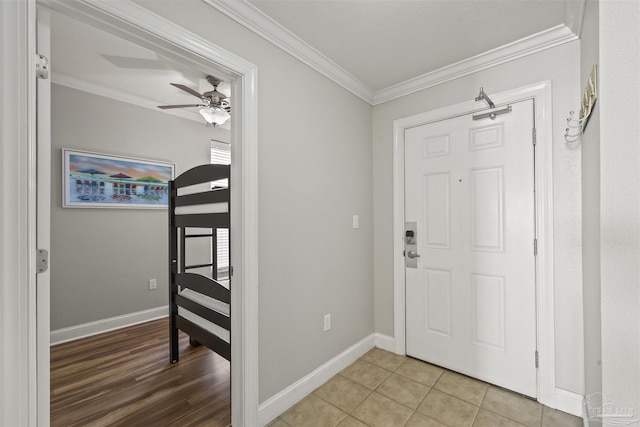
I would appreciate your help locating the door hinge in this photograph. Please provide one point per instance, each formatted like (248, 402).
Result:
(535, 247)
(535, 136)
(537, 359)
(230, 270)
(42, 260)
(42, 67)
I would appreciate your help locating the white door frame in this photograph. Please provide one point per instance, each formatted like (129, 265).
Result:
(43, 218)
(18, 388)
(541, 93)
(153, 30)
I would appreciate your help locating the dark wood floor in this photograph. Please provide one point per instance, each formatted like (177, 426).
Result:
(124, 378)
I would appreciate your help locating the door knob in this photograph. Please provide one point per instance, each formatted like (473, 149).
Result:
(412, 254)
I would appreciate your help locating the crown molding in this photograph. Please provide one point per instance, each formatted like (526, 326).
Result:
(529, 45)
(257, 21)
(574, 16)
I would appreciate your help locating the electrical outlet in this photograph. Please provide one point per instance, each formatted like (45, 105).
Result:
(327, 322)
(153, 283)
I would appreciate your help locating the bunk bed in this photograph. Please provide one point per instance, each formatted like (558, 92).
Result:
(199, 302)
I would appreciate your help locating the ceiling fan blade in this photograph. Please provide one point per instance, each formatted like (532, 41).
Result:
(164, 107)
(187, 89)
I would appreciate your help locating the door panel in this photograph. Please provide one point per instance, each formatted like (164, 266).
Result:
(487, 202)
(437, 218)
(437, 302)
(470, 304)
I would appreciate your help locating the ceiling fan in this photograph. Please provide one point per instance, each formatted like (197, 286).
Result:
(214, 107)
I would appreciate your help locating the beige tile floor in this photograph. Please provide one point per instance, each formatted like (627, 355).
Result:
(382, 389)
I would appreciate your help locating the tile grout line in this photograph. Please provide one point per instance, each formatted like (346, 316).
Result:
(351, 410)
(458, 398)
(432, 387)
(371, 391)
(414, 411)
(394, 370)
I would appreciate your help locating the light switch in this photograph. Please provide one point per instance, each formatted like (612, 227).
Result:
(356, 221)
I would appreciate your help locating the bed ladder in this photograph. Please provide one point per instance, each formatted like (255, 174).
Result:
(214, 251)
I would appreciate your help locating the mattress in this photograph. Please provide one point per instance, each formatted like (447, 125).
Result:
(211, 303)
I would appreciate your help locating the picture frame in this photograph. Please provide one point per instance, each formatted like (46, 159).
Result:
(97, 180)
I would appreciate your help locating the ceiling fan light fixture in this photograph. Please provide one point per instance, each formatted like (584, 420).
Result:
(215, 115)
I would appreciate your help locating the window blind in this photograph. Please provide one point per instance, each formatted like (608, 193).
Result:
(221, 154)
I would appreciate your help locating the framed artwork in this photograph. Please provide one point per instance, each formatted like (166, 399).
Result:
(94, 180)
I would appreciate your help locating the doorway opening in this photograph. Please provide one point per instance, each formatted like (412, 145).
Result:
(178, 45)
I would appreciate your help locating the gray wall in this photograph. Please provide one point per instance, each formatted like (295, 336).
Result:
(561, 66)
(590, 146)
(315, 171)
(102, 259)
(619, 50)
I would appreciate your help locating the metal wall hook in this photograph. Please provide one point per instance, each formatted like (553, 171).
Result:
(572, 123)
(575, 127)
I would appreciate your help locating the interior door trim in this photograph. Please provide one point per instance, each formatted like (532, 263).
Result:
(541, 93)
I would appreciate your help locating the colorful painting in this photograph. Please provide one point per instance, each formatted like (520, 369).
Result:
(93, 180)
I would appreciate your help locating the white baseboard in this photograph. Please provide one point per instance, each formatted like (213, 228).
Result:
(279, 403)
(570, 402)
(71, 333)
(385, 342)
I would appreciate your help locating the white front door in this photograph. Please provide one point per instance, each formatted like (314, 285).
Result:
(471, 301)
